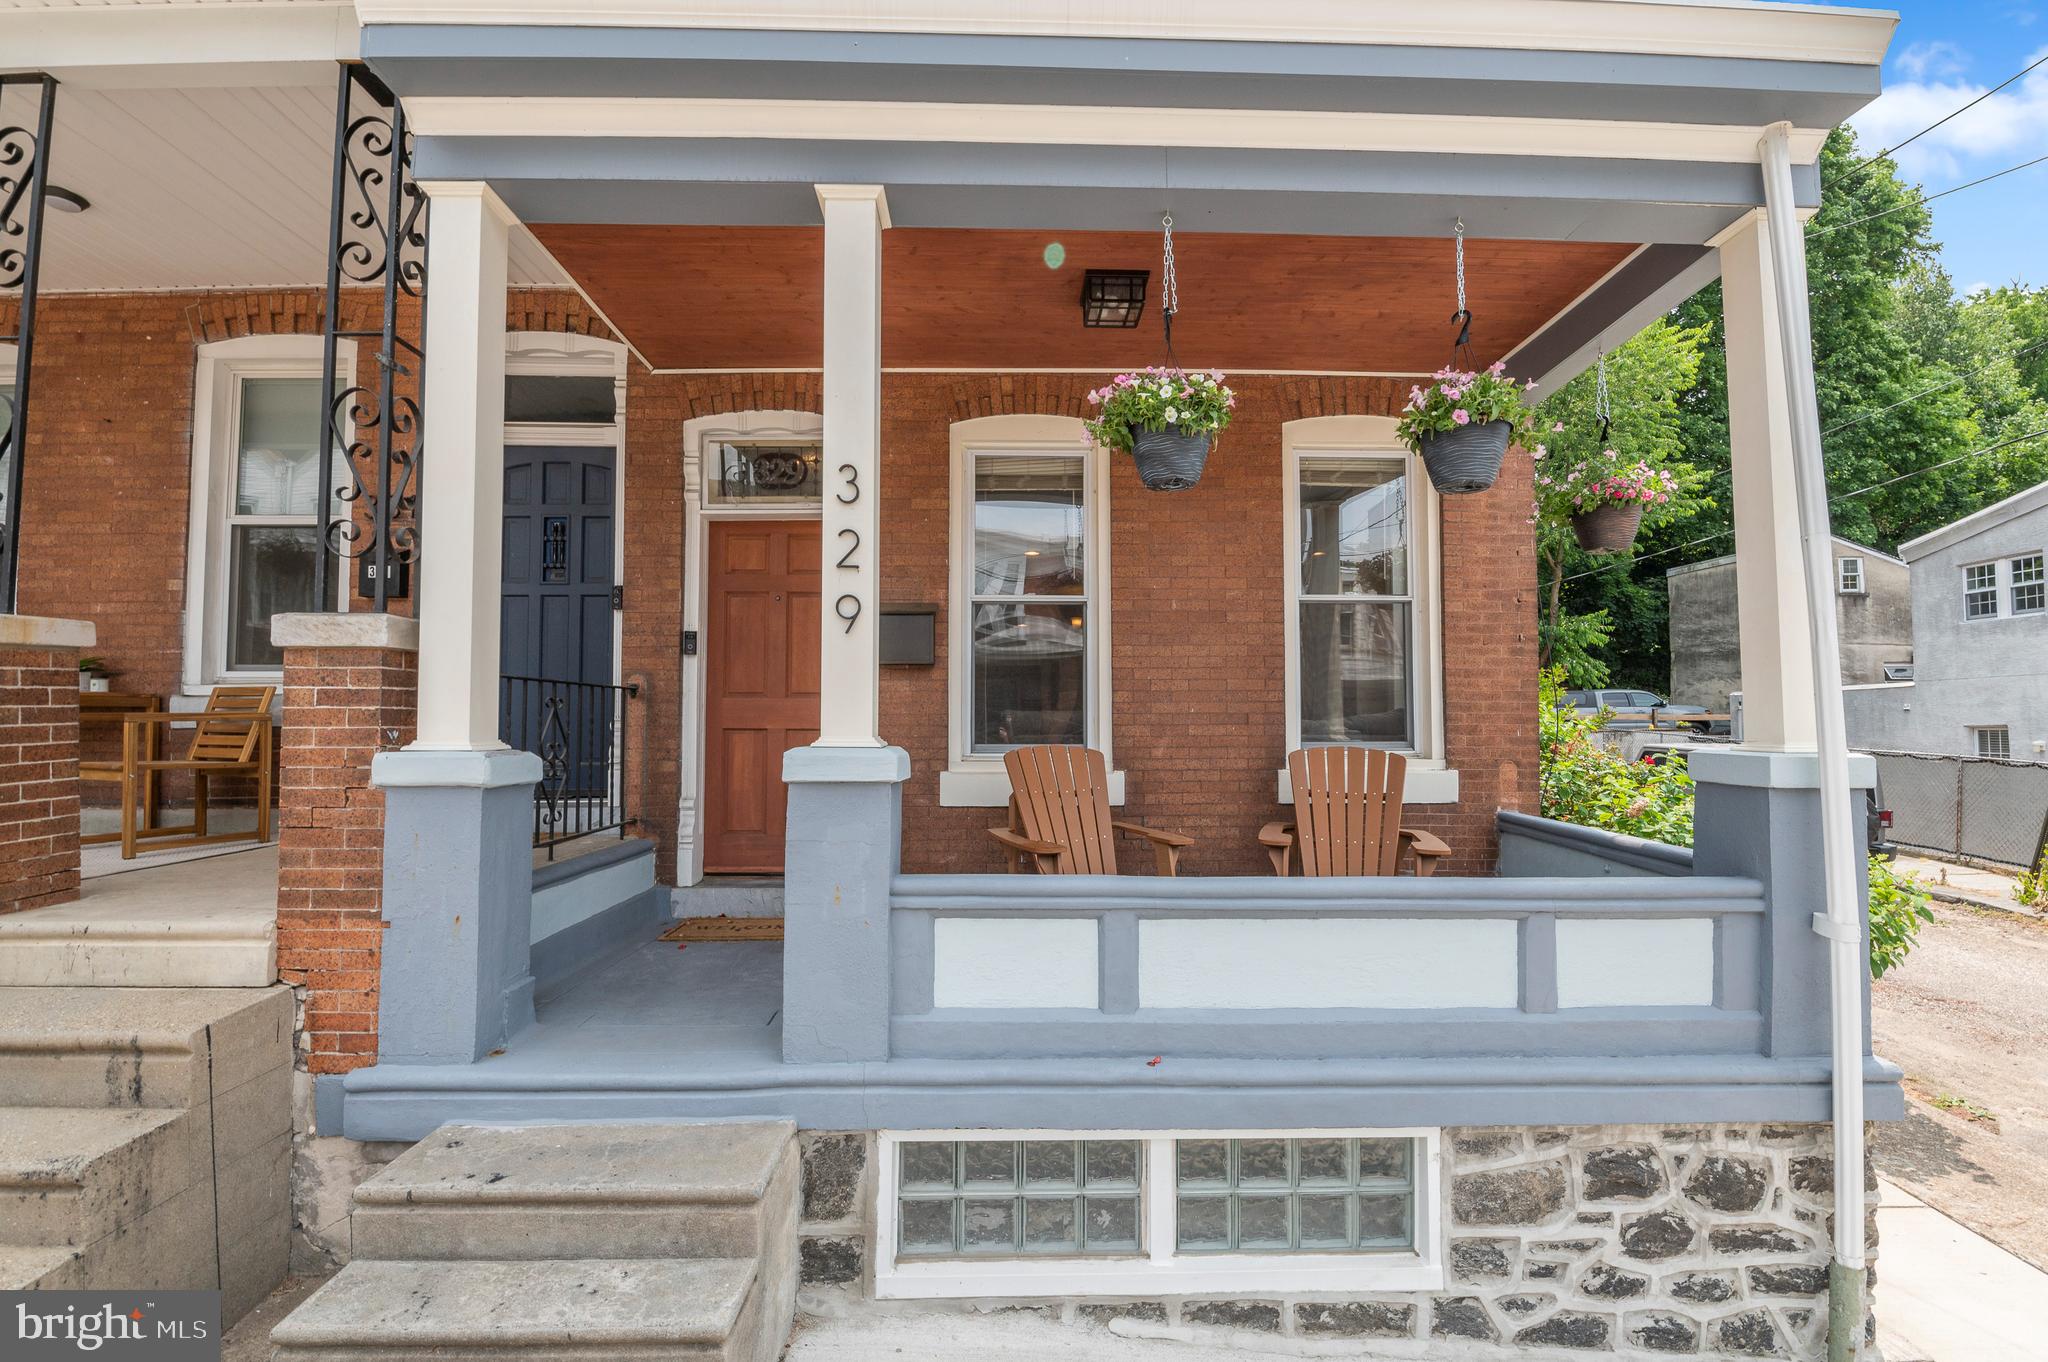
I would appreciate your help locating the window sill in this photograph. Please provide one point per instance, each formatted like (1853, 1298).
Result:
(988, 787)
(1426, 785)
(1199, 1274)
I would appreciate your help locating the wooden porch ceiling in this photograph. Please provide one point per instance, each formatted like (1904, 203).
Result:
(735, 298)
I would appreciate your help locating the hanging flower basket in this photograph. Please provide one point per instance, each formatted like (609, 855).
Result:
(1166, 420)
(1610, 528)
(1608, 498)
(1461, 423)
(1466, 459)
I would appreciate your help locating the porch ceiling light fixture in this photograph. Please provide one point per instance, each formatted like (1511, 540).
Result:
(1113, 298)
(65, 200)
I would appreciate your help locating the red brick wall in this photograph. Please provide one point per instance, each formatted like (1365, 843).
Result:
(1199, 720)
(341, 707)
(38, 777)
(1195, 594)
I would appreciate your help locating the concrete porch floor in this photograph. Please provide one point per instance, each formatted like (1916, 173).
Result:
(208, 923)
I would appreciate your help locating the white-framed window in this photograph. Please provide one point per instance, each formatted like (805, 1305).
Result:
(1363, 632)
(1028, 650)
(2029, 584)
(255, 501)
(1031, 1213)
(1980, 591)
(1849, 576)
(1992, 741)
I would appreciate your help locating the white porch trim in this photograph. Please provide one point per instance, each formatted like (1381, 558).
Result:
(1701, 28)
(1085, 125)
(463, 493)
(849, 655)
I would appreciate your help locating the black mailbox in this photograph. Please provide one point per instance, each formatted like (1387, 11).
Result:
(908, 635)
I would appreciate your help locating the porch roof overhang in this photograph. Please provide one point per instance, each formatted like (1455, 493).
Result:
(1582, 121)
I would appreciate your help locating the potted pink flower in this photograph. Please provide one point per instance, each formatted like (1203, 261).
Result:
(1165, 419)
(1461, 423)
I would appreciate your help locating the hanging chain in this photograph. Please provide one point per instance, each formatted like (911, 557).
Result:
(1460, 230)
(1463, 316)
(1169, 287)
(1603, 410)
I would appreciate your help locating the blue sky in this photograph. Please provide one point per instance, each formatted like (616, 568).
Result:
(1947, 52)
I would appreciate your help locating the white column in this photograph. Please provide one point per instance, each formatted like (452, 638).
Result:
(849, 709)
(462, 492)
(1777, 661)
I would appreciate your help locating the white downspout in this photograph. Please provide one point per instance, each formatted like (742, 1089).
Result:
(1841, 923)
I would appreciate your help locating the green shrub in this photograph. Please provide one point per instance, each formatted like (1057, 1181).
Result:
(1898, 905)
(2031, 889)
(1582, 782)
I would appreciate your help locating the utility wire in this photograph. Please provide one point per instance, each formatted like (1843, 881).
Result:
(1925, 198)
(1928, 392)
(1869, 161)
(1840, 496)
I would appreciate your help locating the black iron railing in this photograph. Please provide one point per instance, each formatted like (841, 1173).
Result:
(578, 730)
(24, 185)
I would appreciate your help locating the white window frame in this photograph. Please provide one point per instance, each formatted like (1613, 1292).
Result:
(1157, 1269)
(1978, 732)
(1849, 575)
(2013, 582)
(1430, 778)
(216, 414)
(977, 780)
(1996, 590)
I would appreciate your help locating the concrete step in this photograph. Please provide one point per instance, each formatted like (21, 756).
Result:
(587, 1310)
(137, 1047)
(70, 1176)
(32, 1268)
(654, 1190)
(729, 896)
(93, 944)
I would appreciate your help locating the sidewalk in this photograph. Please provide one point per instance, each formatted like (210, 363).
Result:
(1969, 885)
(1947, 1294)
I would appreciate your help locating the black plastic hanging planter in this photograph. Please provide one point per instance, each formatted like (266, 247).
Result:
(1467, 459)
(1610, 527)
(1169, 461)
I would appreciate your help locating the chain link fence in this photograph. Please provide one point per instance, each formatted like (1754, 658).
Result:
(1979, 807)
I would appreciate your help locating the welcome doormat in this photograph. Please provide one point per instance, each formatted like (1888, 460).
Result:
(725, 929)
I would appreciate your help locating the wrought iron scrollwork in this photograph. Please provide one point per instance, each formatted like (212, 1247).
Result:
(24, 176)
(552, 747)
(377, 237)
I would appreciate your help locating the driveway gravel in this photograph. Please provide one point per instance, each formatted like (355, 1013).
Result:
(1966, 1016)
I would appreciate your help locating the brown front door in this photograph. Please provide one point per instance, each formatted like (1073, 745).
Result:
(761, 698)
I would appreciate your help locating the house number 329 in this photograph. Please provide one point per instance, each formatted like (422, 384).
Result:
(847, 607)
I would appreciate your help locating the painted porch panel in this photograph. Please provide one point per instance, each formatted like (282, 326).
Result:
(1253, 963)
(980, 962)
(1644, 963)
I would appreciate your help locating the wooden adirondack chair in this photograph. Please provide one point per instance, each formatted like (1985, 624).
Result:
(232, 737)
(1060, 819)
(1347, 809)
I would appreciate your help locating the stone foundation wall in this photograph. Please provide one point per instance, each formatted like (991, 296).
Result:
(1637, 1242)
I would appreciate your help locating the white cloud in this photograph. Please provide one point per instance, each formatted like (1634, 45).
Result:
(2009, 122)
(1938, 59)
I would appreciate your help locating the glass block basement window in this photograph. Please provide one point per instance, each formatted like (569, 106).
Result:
(1009, 1198)
(1294, 1196)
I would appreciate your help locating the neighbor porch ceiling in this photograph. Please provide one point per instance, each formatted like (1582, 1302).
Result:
(737, 298)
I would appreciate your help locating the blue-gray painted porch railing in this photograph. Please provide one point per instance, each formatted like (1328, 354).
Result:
(1738, 1021)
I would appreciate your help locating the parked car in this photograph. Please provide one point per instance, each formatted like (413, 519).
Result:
(1634, 708)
